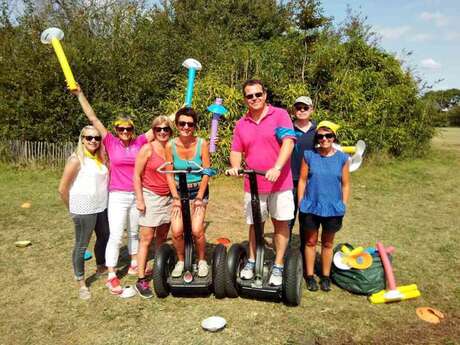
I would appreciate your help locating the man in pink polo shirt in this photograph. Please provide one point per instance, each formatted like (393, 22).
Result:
(265, 137)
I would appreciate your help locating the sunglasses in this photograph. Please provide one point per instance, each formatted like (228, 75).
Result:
(90, 137)
(302, 107)
(186, 123)
(254, 95)
(327, 136)
(162, 129)
(123, 129)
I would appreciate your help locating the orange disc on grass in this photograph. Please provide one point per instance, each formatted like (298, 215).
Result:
(429, 314)
(223, 240)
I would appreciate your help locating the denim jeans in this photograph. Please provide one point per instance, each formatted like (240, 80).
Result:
(84, 225)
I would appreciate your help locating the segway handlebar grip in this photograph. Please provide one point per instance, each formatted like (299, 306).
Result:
(248, 171)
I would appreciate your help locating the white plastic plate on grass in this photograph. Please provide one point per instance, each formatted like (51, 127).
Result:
(213, 323)
(128, 291)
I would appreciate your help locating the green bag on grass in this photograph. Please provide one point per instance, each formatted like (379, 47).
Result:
(364, 282)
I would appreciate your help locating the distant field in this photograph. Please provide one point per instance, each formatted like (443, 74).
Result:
(413, 205)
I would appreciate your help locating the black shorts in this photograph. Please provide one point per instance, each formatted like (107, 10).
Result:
(193, 192)
(309, 222)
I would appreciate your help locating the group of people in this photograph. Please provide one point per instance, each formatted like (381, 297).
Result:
(115, 186)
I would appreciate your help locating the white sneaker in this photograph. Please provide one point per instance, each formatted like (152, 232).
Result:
(178, 269)
(84, 293)
(248, 271)
(202, 268)
(276, 278)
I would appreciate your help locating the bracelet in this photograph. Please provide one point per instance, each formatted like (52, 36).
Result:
(176, 198)
(277, 168)
(199, 199)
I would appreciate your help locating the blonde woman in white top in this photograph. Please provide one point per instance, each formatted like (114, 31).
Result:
(83, 188)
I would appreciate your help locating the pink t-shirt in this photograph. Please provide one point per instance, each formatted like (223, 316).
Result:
(260, 148)
(122, 159)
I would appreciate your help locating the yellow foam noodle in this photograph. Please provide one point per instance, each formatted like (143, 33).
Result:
(408, 291)
(71, 83)
(349, 149)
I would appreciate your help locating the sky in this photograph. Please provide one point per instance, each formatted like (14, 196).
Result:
(430, 29)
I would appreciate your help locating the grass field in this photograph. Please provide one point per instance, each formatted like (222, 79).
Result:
(413, 205)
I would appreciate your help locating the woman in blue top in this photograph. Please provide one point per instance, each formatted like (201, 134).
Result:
(187, 147)
(323, 192)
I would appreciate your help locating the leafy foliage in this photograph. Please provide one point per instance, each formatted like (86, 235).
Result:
(127, 57)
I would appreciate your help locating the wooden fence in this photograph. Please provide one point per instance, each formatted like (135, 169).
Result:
(35, 152)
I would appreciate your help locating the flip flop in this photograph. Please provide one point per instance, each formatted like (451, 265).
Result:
(429, 314)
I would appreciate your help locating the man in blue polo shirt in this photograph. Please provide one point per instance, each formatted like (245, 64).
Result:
(304, 129)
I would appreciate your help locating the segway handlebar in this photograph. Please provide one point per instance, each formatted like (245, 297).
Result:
(194, 168)
(248, 171)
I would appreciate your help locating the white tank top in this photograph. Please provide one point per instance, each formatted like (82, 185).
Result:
(89, 191)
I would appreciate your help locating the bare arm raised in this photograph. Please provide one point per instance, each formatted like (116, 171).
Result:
(89, 112)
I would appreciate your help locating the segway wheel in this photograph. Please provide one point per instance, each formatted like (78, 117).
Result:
(292, 278)
(235, 260)
(164, 263)
(219, 269)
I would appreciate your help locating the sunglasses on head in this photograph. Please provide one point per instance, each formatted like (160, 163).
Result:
(302, 107)
(123, 129)
(91, 137)
(327, 136)
(162, 129)
(254, 95)
(186, 123)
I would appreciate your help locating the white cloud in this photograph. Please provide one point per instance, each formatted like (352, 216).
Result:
(436, 17)
(394, 33)
(430, 64)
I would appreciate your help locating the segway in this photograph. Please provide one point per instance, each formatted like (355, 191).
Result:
(165, 258)
(290, 292)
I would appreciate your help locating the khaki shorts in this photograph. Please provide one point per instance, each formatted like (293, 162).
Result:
(157, 209)
(280, 206)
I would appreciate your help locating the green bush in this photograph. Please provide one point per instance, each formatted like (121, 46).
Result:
(128, 58)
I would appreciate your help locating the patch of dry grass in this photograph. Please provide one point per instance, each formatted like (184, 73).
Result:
(412, 205)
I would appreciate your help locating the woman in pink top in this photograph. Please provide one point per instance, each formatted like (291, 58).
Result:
(153, 198)
(122, 212)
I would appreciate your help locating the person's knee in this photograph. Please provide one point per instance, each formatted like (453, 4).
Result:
(197, 232)
(327, 244)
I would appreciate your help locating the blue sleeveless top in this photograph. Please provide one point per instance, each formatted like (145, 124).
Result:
(323, 193)
(182, 164)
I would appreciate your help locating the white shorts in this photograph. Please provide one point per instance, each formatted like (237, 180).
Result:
(157, 209)
(280, 206)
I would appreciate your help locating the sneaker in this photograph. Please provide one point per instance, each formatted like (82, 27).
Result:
(178, 269)
(84, 293)
(143, 288)
(325, 283)
(132, 270)
(311, 284)
(248, 270)
(276, 278)
(114, 286)
(202, 268)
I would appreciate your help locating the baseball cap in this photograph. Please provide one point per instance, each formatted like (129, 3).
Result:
(305, 100)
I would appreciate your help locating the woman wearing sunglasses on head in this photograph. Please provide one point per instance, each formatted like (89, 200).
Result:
(83, 188)
(153, 198)
(122, 212)
(323, 192)
(187, 147)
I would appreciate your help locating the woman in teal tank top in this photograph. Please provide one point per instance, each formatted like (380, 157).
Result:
(187, 147)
